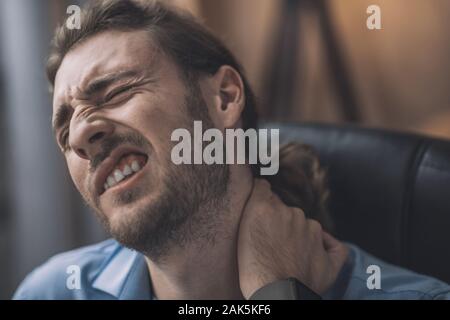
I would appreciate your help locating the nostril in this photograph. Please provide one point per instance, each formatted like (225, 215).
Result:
(96, 137)
(82, 153)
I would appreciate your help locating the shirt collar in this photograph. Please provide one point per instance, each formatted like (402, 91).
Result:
(125, 276)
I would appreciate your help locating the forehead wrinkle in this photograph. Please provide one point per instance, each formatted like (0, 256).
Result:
(99, 73)
(144, 51)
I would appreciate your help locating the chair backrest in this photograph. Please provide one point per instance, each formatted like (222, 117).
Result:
(390, 191)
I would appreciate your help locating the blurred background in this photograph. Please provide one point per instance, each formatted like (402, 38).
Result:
(308, 60)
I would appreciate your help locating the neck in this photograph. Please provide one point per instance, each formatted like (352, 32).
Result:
(207, 270)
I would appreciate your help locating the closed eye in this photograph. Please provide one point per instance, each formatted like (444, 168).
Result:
(115, 93)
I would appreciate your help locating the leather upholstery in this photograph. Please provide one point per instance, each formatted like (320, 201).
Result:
(390, 191)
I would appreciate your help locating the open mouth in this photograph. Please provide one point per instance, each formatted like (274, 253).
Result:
(127, 166)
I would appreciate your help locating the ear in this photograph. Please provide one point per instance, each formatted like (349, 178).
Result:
(228, 97)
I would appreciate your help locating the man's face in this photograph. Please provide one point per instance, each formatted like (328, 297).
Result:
(116, 102)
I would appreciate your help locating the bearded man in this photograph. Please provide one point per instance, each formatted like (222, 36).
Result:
(122, 83)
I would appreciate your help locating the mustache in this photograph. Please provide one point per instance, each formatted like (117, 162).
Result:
(108, 145)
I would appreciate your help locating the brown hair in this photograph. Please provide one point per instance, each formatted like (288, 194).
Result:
(300, 181)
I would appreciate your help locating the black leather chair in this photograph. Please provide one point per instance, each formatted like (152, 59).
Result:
(390, 191)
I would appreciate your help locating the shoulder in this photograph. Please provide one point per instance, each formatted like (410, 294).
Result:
(52, 279)
(372, 278)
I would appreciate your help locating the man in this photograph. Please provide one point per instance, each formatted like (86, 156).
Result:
(134, 73)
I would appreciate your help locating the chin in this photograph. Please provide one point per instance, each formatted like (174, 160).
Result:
(126, 215)
(123, 222)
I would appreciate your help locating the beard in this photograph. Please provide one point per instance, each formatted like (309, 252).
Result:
(188, 209)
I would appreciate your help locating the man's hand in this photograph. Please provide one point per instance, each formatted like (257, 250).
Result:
(277, 242)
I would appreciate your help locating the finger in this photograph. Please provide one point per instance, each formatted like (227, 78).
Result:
(264, 192)
(298, 212)
(329, 242)
(261, 190)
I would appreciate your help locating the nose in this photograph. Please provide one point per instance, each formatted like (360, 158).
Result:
(86, 135)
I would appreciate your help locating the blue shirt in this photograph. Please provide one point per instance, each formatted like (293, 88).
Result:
(108, 270)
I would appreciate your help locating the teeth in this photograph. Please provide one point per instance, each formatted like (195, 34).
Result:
(118, 175)
(127, 170)
(135, 166)
(110, 181)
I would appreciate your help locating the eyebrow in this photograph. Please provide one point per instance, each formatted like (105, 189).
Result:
(94, 86)
(104, 81)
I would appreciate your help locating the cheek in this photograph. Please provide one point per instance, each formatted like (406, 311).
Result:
(159, 132)
(155, 118)
(78, 170)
